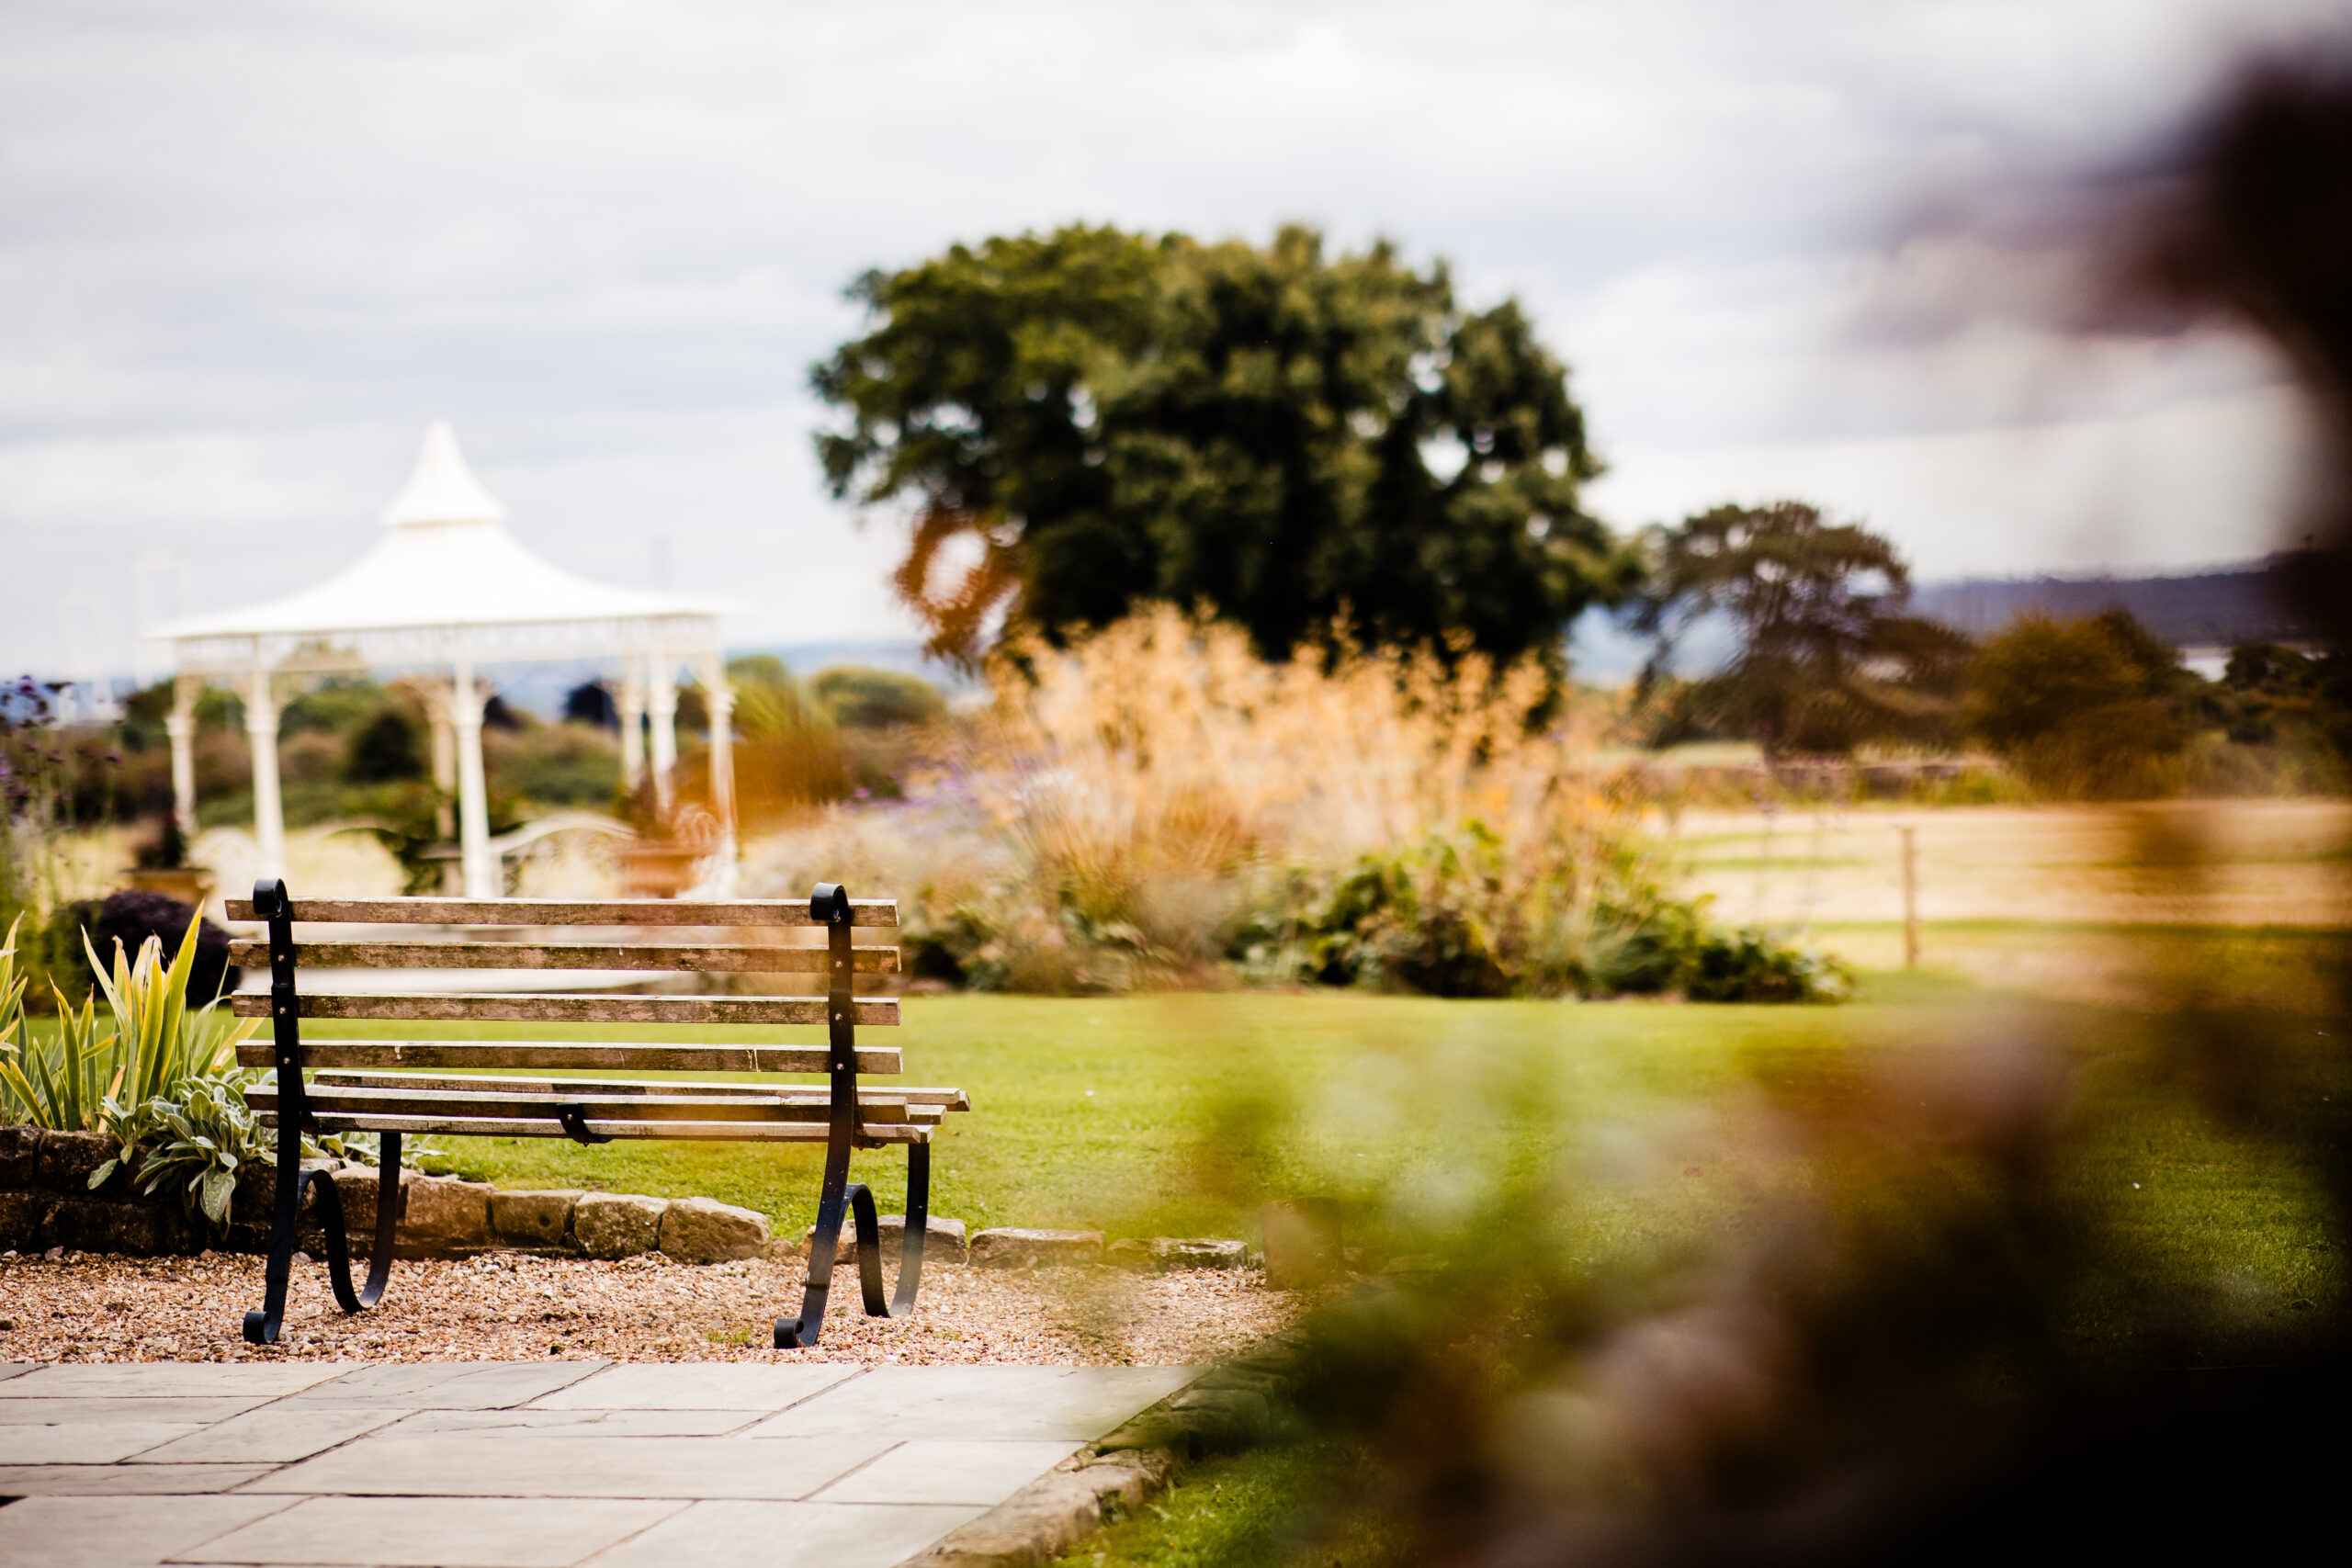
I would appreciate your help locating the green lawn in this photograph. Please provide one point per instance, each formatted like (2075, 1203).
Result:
(1178, 1115)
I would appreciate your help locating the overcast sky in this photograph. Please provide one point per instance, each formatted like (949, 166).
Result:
(248, 250)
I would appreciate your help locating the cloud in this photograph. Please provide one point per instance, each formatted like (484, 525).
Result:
(247, 250)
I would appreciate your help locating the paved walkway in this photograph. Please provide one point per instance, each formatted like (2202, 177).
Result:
(518, 1464)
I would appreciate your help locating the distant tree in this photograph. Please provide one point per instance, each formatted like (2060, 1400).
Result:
(1084, 421)
(384, 750)
(2095, 707)
(859, 698)
(591, 703)
(1826, 659)
(2271, 694)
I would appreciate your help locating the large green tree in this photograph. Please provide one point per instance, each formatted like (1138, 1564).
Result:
(1083, 420)
(1826, 659)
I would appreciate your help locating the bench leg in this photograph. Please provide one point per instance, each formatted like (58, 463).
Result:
(830, 905)
(262, 1328)
(840, 1192)
(869, 1238)
(795, 1332)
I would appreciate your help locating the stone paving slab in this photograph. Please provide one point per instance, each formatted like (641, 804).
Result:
(786, 1535)
(448, 1532)
(119, 1532)
(86, 1442)
(11, 1369)
(528, 1465)
(170, 1379)
(125, 1480)
(540, 1464)
(448, 1385)
(924, 1471)
(276, 1435)
(51, 1410)
(709, 1385)
(587, 1423)
(1075, 1403)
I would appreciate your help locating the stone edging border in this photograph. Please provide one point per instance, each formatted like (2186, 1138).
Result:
(1230, 1408)
(48, 1205)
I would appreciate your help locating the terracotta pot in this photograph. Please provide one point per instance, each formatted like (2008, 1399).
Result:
(657, 869)
(191, 884)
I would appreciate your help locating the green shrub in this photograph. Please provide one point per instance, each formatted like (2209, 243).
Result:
(554, 764)
(2096, 708)
(386, 748)
(858, 698)
(1442, 917)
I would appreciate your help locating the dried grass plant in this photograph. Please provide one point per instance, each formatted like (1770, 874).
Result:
(1126, 805)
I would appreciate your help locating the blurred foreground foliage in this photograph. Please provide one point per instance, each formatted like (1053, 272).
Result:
(1954, 1322)
(1883, 1303)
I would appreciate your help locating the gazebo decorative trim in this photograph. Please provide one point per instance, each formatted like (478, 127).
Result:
(447, 588)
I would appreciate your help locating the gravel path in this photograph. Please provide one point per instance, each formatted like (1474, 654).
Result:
(510, 1306)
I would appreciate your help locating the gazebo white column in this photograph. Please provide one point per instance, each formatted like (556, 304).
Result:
(269, 810)
(661, 687)
(180, 725)
(631, 703)
(445, 759)
(721, 880)
(480, 868)
(720, 697)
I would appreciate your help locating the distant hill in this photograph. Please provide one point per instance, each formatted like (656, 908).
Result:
(2203, 610)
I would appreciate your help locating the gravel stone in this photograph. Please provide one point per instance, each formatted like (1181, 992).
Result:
(704, 1230)
(1015, 1249)
(617, 1224)
(513, 1306)
(538, 1220)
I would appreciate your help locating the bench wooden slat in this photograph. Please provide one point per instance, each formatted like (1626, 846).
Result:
(523, 1105)
(617, 1057)
(570, 912)
(538, 1008)
(254, 953)
(814, 1094)
(491, 1127)
(598, 1108)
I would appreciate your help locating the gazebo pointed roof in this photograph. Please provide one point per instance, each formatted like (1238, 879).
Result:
(445, 580)
(442, 489)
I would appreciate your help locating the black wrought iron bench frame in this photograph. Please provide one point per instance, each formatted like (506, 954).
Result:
(393, 1103)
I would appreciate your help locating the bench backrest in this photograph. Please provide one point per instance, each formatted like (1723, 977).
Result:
(622, 946)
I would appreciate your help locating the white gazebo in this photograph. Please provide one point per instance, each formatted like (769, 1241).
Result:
(445, 592)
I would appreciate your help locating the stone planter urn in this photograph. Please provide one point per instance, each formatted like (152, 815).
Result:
(657, 868)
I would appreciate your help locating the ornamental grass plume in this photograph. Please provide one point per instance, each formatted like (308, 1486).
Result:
(1153, 804)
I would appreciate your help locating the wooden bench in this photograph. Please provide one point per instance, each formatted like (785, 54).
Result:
(476, 1088)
